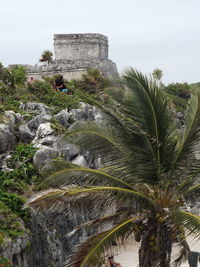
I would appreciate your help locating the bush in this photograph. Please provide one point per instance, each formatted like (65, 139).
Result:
(178, 93)
(93, 82)
(19, 75)
(39, 88)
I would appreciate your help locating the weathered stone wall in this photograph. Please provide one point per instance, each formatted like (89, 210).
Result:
(74, 55)
(74, 69)
(80, 46)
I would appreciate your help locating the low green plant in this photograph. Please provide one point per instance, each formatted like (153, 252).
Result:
(59, 100)
(178, 94)
(39, 88)
(10, 226)
(19, 75)
(23, 153)
(5, 262)
(93, 82)
(58, 128)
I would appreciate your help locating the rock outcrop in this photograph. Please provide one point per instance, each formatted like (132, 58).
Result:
(45, 242)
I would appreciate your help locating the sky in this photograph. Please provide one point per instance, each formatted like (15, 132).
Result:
(143, 34)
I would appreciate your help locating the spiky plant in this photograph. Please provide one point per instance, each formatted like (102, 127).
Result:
(147, 171)
(93, 81)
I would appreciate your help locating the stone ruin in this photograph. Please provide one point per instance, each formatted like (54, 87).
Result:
(74, 55)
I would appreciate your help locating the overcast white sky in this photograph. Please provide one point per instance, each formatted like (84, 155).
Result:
(144, 34)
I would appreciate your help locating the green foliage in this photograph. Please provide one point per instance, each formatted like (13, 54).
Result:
(46, 57)
(12, 77)
(58, 128)
(7, 79)
(19, 75)
(157, 74)
(178, 93)
(148, 169)
(39, 88)
(23, 153)
(60, 100)
(5, 262)
(195, 86)
(10, 223)
(93, 82)
(12, 184)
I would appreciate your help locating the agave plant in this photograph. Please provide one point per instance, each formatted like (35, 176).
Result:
(147, 171)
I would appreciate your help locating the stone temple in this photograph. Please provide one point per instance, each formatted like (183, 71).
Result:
(75, 54)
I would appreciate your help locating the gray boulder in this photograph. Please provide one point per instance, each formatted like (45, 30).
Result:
(38, 108)
(25, 135)
(63, 117)
(7, 140)
(11, 118)
(85, 112)
(35, 122)
(43, 156)
(44, 136)
(79, 160)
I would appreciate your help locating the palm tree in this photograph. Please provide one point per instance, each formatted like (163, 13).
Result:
(157, 75)
(147, 172)
(46, 57)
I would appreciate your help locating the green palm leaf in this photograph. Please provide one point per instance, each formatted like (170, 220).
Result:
(191, 134)
(87, 252)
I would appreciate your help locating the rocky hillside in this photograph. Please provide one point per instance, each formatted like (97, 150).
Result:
(36, 138)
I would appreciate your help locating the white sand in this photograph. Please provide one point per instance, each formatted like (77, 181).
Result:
(129, 256)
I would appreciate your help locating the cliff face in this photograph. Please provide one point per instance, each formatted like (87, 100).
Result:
(49, 243)
(44, 242)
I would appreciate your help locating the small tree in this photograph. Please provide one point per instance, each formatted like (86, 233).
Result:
(157, 75)
(46, 57)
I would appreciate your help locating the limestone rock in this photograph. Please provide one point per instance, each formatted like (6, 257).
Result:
(37, 108)
(35, 122)
(12, 118)
(43, 156)
(44, 136)
(85, 112)
(16, 250)
(7, 140)
(63, 117)
(25, 134)
(79, 160)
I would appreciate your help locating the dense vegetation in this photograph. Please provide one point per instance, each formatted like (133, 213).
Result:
(147, 171)
(13, 183)
(23, 176)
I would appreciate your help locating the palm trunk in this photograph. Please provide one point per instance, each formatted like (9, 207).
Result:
(155, 252)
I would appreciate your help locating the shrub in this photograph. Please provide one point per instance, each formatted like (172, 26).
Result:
(178, 93)
(93, 82)
(39, 87)
(19, 75)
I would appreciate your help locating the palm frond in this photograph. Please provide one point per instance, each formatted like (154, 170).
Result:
(81, 175)
(189, 221)
(193, 189)
(149, 111)
(191, 135)
(101, 222)
(91, 250)
(119, 192)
